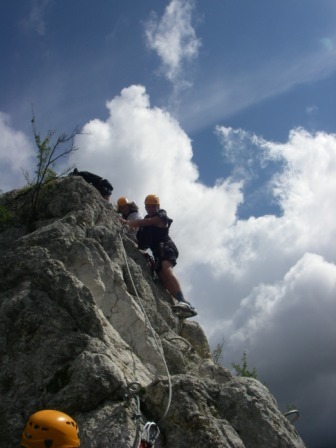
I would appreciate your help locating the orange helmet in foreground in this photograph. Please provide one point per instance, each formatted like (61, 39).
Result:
(52, 429)
(152, 199)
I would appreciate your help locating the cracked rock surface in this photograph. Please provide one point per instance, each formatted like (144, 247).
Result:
(81, 319)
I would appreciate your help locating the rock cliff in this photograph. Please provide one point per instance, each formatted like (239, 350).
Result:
(85, 329)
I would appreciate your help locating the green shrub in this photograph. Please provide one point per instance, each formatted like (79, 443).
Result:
(5, 217)
(49, 151)
(217, 353)
(243, 370)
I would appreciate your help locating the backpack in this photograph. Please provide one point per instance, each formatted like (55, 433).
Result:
(102, 185)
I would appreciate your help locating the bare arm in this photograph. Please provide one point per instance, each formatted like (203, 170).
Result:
(156, 221)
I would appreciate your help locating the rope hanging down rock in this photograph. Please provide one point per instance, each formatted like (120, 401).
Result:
(150, 430)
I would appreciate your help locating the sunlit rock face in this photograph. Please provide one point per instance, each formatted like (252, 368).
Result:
(82, 319)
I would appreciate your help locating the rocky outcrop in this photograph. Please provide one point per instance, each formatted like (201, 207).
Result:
(85, 329)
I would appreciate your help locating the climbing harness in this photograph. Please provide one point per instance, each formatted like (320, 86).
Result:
(151, 429)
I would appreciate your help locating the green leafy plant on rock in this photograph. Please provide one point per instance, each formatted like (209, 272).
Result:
(5, 217)
(242, 369)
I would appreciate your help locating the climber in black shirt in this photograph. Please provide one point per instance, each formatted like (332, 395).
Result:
(153, 234)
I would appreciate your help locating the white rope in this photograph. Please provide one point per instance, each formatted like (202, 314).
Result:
(152, 330)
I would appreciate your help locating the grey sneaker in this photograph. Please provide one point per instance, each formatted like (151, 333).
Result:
(184, 310)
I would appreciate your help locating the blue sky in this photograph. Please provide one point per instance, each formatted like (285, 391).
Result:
(226, 110)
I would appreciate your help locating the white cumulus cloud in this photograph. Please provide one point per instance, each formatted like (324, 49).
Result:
(173, 37)
(16, 154)
(143, 150)
(279, 302)
(266, 284)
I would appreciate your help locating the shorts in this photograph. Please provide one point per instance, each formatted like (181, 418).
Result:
(166, 251)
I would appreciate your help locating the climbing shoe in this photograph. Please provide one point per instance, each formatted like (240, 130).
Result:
(184, 310)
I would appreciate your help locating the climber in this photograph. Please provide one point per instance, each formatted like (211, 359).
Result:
(153, 233)
(102, 185)
(50, 429)
(128, 210)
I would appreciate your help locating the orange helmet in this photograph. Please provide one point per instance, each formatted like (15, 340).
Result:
(152, 199)
(122, 201)
(50, 429)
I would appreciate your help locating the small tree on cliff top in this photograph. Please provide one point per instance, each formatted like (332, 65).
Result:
(49, 151)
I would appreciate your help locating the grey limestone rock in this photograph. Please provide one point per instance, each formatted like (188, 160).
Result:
(81, 320)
